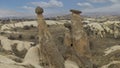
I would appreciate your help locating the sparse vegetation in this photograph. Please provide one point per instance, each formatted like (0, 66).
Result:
(26, 27)
(11, 37)
(20, 37)
(32, 37)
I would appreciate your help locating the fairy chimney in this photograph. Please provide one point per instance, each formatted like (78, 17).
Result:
(48, 47)
(80, 39)
(77, 42)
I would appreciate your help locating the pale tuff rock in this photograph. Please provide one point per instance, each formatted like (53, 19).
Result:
(16, 47)
(97, 29)
(33, 57)
(113, 62)
(70, 64)
(10, 66)
(111, 49)
(14, 58)
(8, 63)
(6, 60)
(6, 27)
(6, 44)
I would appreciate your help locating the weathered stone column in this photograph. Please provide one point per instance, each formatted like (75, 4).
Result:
(77, 42)
(80, 39)
(48, 47)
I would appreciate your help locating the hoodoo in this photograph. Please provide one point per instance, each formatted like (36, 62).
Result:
(77, 39)
(48, 47)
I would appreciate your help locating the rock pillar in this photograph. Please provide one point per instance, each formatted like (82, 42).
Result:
(48, 47)
(79, 37)
(80, 40)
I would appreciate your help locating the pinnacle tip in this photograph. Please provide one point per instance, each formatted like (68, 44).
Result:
(75, 11)
(39, 10)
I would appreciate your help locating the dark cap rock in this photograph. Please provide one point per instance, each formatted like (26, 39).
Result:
(39, 10)
(75, 11)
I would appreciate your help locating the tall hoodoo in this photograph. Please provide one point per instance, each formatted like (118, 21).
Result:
(48, 47)
(79, 37)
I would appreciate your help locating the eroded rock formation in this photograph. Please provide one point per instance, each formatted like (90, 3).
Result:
(48, 47)
(78, 43)
(79, 37)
